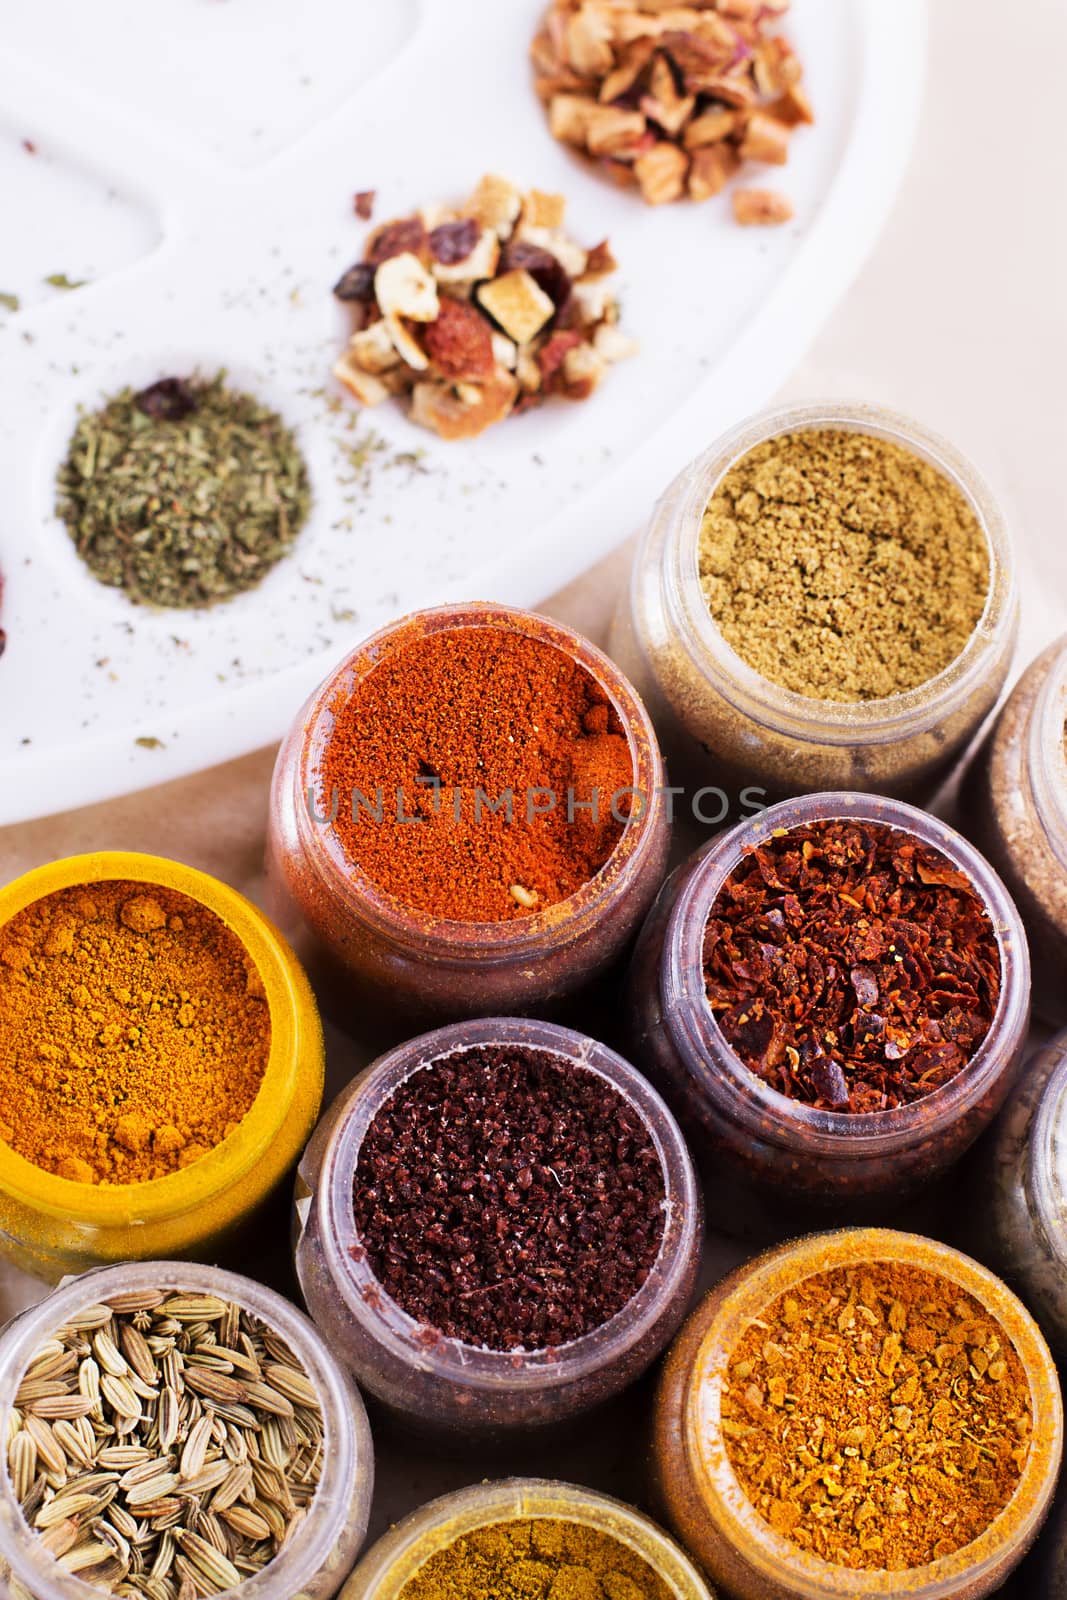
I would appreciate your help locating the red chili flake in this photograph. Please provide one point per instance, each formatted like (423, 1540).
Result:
(356, 284)
(169, 400)
(460, 341)
(451, 242)
(851, 966)
(408, 234)
(544, 268)
(509, 1199)
(363, 203)
(29, 147)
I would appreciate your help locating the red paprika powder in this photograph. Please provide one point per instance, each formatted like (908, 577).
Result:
(480, 774)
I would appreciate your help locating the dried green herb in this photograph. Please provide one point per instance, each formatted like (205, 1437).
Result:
(59, 280)
(10, 302)
(184, 494)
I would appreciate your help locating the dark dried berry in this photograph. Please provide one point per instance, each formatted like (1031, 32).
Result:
(544, 268)
(356, 284)
(407, 235)
(169, 400)
(453, 241)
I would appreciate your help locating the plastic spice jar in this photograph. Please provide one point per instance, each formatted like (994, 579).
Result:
(723, 723)
(321, 1546)
(1014, 803)
(442, 1384)
(364, 945)
(397, 1558)
(1016, 1216)
(737, 1120)
(706, 1501)
(52, 1225)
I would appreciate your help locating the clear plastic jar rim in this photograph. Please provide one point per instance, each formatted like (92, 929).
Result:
(294, 1022)
(777, 1559)
(346, 1454)
(1046, 1155)
(488, 941)
(460, 1363)
(1047, 754)
(795, 715)
(766, 1110)
(398, 1556)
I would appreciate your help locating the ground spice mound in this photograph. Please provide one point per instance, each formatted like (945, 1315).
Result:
(539, 1558)
(134, 1032)
(851, 966)
(456, 721)
(509, 1199)
(842, 566)
(877, 1416)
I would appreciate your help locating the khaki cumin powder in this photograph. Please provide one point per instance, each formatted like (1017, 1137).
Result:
(842, 566)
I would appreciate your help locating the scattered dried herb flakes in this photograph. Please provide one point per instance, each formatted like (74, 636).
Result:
(10, 302)
(479, 312)
(851, 966)
(60, 280)
(184, 494)
(165, 1444)
(841, 565)
(877, 1416)
(674, 99)
(508, 1199)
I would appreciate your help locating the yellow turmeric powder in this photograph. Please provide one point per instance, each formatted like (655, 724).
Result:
(536, 1558)
(134, 1032)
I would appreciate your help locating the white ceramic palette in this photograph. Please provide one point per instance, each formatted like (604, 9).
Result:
(195, 160)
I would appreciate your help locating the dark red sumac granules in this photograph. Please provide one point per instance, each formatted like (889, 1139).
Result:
(509, 1199)
(851, 966)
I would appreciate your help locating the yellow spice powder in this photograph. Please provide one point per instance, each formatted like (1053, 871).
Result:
(842, 566)
(134, 1032)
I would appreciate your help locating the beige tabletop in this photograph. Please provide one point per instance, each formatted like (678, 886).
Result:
(960, 318)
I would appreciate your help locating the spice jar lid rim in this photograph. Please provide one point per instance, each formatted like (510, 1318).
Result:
(689, 1018)
(508, 938)
(467, 1365)
(349, 1453)
(296, 1042)
(399, 1554)
(765, 701)
(752, 1288)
